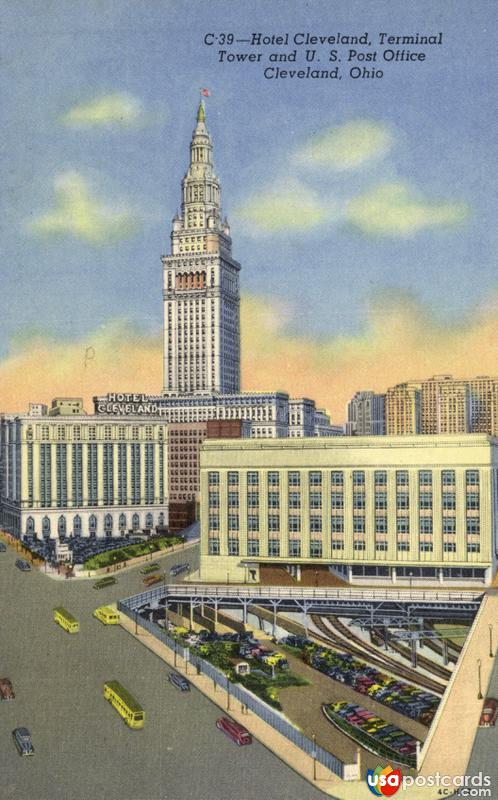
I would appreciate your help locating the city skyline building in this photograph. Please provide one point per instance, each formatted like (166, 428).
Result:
(403, 409)
(201, 284)
(366, 414)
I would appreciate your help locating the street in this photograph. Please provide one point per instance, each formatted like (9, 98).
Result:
(83, 749)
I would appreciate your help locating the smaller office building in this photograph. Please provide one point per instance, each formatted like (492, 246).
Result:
(388, 510)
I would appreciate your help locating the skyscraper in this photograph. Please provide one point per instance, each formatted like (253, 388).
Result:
(366, 414)
(201, 285)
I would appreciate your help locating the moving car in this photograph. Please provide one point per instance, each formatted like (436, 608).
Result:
(23, 565)
(107, 615)
(3, 547)
(179, 681)
(489, 713)
(6, 690)
(178, 568)
(103, 582)
(149, 568)
(23, 742)
(234, 731)
(150, 580)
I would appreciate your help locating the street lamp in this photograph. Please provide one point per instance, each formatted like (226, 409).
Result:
(479, 694)
(410, 577)
(490, 626)
(313, 754)
(228, 577)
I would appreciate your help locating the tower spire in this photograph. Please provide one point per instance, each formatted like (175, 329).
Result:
(201, 112)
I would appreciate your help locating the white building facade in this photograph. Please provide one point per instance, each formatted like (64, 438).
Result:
(82, 476)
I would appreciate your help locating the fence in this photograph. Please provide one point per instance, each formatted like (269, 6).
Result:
(253, 703)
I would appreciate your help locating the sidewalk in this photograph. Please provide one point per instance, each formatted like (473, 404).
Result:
(327, 782)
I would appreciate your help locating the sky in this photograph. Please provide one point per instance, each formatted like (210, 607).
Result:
(363, 210)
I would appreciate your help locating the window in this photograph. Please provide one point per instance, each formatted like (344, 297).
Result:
(253, 522)
(448, 477)
(381, 547)
(316, 524)
(403, 525)
(295, 524)
(294, 500)
(425, 524)
(122, 522)
(316, 548)
(337, 478)
(214, 522)
(233, 546)
(401, 477)
(294, 479)
(380, 478)
(273, 500)
(337, 500)
(61, 526)
(359, 545)
(214, 499)
(380, 500)
(425, 478)
(273, 523)
(233, 478)
(253, 547)
(449, 525)
(358, 524)
(108, 523)
(402, 501)
(233, 499)
(214, 478)
(403, 547)
(472, 476)
(358, 478)
(252, 479)
(213, 547)
(425, 500)
(315, 500)
(273, 547)
(473, 525)
(472, 501)
(473, 547)
(337, 545)
(294, 548)
(449, 501)
(252, 499)
(358, 500)
(449, 547)
(380, 524)
(273, 479)
(92, 525)
(426, 547)
(149, 521)
(315, 478)
(337, 524)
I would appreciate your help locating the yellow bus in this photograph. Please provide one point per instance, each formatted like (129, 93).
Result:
(66, 620)
(124, 703)
(107, 615)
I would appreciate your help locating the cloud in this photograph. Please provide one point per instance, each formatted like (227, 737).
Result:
(400, 340)
(286, 206)
(118, 110)
(79, 213)
(347, 147)
(395, 209)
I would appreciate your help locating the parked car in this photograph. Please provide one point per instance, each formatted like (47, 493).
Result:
(489, 713)
(103, 582)
(3, 547)
(23, 741)
(234, 731)
(179, 681)
(6, 690)
(23, 565)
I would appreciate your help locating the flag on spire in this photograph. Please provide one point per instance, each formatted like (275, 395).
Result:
(205, 92)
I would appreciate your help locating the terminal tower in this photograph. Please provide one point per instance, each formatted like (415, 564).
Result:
(201, 285)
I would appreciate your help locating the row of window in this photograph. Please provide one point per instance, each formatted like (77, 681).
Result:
(425, 478)
(316, 547)
(77, 524)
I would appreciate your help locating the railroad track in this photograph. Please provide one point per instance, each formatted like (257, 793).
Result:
(369, 653)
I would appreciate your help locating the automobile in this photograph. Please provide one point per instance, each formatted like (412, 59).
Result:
(6, 690)
(149, 568)
(150, 580)
(3, 547)
(234, 731)
(107, 615)
(23, 565)
(179, 681)
(23, 742)
(178, 568)
(489, 713)
(103, 582)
